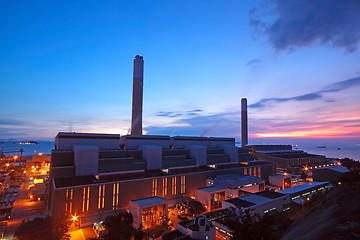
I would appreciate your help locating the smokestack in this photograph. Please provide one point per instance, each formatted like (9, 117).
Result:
(244, 123)
(137, 100)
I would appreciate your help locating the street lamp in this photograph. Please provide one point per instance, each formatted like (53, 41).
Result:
(74, 218)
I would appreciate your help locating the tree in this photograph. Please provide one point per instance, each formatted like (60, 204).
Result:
(196, 207)
(43, 229)
(119, 226)
(271, 226)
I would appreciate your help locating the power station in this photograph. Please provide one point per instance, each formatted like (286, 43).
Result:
(95, 175)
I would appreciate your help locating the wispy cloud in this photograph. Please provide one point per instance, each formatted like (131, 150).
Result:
(8, 121)
(336, 87)
(253, 62)
(300, 23)
(175, 114)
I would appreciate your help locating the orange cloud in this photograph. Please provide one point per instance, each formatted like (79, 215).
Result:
(338, 131)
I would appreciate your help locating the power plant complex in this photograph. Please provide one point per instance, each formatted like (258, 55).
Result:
(96, 175)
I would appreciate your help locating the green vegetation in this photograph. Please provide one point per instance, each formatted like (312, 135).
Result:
(196, 207)
(120, 227)
(350, 164)
(44, 229)
(337, 216)
(354, 175)
(272, 226)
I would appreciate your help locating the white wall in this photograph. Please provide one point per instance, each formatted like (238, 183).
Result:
(220, 142)
(199, 153)
(182, 143)
(86, 158)
(232, 151)
(136, 141)
(153, 156)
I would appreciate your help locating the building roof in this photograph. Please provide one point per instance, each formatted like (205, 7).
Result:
(255, 199)
(146, 137)
(281, 151)
(210, 189)
(270, 194)
(235, 180)
(336, 168)
(75, 181)
(236, 177)
(87, 135)
(280, 176)
(240, 203)
(149, 200)
(302, 187)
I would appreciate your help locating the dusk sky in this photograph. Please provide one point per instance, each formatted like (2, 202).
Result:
(67, 66)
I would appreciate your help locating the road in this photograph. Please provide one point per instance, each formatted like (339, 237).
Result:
(22, 210)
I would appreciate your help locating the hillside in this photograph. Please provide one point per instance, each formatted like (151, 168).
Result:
(337, 217)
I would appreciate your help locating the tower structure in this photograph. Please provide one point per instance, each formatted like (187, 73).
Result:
(137, 99)
(244, 123)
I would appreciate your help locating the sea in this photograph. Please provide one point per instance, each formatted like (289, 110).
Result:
(11, 148)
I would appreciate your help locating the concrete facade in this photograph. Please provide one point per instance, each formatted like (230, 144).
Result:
(137, 98)
(259, 203)
(244, 123)
(128, 174)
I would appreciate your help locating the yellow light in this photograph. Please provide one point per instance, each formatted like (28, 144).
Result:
(36, 180)
(74, 218)
(308, 199)
(7, 164)
(40, 154)
(339, 183)
(285, 174)
(30, 196)
(306, 168)
(15, 157)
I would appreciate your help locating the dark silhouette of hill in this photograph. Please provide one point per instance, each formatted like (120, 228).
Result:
(337, 217)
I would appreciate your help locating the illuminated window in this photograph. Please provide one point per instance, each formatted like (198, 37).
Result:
(88, 199)
(164, 186)
(101, 199)
(173, 186)
(154, 187)
(68, 200)
(182, 184)
(115, 195)
(259, 171)
(245, 171)
(83, 200)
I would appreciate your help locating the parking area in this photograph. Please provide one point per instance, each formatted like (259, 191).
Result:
(22, 209)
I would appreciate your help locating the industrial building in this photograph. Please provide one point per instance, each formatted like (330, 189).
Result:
(258, 203)
(301, 193)
(284, 157)
(97, 174)
(281, 181)
(329, 173)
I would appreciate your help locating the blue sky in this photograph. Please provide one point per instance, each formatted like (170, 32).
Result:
(67, 65)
